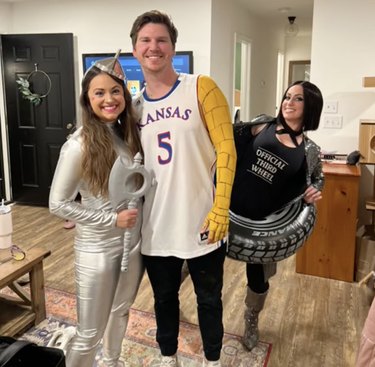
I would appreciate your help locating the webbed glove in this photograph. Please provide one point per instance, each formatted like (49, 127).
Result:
(216, 114)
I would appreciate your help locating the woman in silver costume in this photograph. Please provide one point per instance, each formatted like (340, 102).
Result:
(104, 293)
(276, 163)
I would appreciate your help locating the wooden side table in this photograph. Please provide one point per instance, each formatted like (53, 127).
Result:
(330, 250)
(18, 314)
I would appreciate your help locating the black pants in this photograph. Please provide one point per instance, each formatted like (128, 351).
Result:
(255, 278)
(206, 273)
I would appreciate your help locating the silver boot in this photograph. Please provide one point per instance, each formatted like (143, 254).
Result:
(254, 304)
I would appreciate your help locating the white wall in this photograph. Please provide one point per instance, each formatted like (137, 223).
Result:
(5, 17)
(227, 20)
(99, 26)
(342, 54)
(5, 23)
(206, 27)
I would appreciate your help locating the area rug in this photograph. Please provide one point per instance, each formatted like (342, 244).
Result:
(139, 348)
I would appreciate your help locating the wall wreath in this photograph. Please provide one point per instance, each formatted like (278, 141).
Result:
(27, 93)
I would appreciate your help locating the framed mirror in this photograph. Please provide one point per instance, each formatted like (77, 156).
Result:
(299, 70)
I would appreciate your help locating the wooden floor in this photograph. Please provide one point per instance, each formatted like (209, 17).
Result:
(310, 321)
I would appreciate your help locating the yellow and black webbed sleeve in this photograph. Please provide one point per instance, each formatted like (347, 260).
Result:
(215, 113)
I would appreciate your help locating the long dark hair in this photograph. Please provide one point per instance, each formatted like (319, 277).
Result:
(98, 151)
(313, 105)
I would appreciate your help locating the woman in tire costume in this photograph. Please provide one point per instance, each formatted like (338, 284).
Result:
(276, 163)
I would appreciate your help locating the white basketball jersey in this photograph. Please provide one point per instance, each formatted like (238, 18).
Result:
(179, 153)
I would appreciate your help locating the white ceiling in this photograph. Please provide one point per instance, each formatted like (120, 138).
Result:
(264, 8)
(279, 10)
(276, 9)
(271, 10)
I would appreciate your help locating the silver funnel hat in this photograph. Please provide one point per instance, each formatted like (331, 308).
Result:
(112, 66)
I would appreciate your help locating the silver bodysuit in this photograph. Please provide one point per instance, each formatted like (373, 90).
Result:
(104, 293)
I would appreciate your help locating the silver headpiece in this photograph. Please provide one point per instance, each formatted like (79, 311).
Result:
(111, 65)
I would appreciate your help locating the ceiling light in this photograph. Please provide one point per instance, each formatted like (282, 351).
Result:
(291, 29)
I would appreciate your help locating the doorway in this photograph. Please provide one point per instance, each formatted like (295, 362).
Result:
(37, 128)
(280, 80)
(242, 63)
(299, 70)
(2, 185)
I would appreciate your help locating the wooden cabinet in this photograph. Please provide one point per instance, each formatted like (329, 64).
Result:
(330, 250)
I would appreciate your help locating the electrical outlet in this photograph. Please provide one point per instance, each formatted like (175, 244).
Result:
(330, 107)
(332, 121)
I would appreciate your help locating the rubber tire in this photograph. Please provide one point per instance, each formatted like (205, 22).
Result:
(273, 239)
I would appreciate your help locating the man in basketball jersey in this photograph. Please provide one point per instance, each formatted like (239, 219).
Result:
(187, 136)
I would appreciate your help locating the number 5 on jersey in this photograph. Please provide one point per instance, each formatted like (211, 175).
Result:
(163, 142)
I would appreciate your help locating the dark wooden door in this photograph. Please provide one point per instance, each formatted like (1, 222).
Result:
(37, 132)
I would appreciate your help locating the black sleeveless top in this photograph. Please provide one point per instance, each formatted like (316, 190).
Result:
(268, 174)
